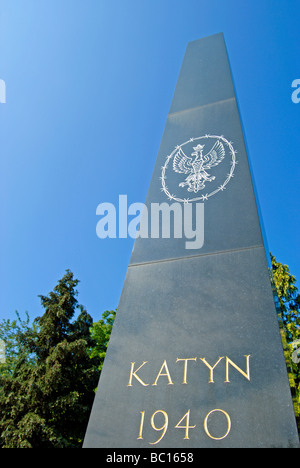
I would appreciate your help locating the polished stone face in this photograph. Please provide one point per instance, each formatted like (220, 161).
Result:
(195, 358)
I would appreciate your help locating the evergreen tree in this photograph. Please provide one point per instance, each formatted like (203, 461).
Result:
(45, 400)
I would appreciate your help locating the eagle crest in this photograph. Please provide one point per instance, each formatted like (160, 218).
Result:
(197, 165)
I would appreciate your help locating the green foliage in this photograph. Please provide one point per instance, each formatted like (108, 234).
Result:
(47, 384)
(289, 300)
(100, 333)
(11, 332)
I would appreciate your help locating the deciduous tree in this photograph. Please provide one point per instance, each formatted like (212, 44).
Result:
(289, 318)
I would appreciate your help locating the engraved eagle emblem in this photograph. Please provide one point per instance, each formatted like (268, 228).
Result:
(197, 165)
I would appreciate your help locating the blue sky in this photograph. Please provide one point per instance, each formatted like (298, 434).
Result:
(89, 84)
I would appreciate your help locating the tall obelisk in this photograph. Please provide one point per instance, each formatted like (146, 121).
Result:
(195, 357)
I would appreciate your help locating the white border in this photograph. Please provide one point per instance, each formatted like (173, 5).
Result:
(207, 195)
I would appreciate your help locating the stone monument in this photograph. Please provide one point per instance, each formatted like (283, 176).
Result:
(195, 357)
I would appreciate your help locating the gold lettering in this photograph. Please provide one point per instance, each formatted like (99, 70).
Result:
(133, 374)
(187, 427)
(211, 369)
(245, 374)
(167, 374)
(163, 428)
(228, 422)
(141, 425)
(185, 367)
